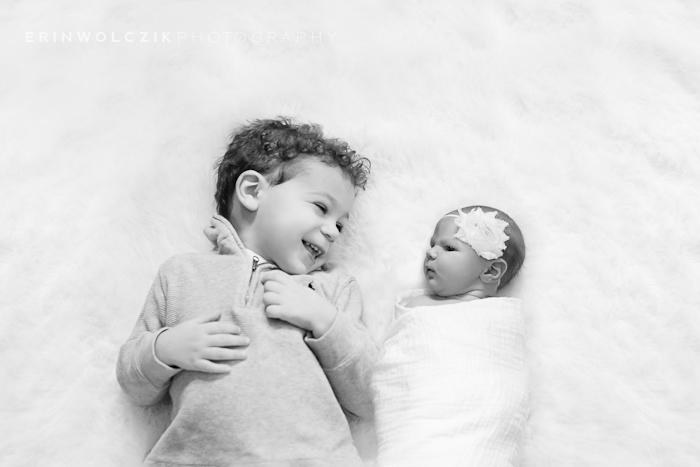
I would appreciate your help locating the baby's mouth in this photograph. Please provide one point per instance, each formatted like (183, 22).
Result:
(313, 250)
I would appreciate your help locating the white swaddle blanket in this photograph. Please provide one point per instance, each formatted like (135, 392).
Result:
(451, 385)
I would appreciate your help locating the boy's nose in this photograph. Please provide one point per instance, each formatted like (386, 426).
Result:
(431, 253)
(330, 231)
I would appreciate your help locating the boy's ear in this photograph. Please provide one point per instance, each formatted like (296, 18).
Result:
(495, 272)
(248, 187)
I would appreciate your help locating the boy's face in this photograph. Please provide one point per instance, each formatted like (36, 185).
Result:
(297, 221)
(451, 266)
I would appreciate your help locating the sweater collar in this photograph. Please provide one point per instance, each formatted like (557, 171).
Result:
(223, 236)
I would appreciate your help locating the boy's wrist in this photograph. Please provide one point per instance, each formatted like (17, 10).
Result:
(160, 349)
(323, 320)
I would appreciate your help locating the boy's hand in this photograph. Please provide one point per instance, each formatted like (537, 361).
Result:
(195, 344)
(301, 306)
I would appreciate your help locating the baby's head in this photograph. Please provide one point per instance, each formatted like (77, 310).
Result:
(288, 190)
(476, 248)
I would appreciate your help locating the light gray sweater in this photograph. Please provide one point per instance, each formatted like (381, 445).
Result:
(283, 405)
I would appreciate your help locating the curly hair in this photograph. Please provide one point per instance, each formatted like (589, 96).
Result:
(273, 148)
(514, 254)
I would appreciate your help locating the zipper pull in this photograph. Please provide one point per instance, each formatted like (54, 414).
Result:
(255, 263)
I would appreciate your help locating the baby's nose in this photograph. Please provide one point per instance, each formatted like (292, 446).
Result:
(430, 253)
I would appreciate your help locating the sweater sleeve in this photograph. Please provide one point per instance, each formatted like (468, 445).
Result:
(347, 353)
(143, 377)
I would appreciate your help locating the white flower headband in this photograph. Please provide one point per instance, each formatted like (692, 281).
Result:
(482, 231)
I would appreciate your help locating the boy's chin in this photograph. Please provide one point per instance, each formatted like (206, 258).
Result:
(300, 267)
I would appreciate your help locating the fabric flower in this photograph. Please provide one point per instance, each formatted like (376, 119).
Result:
(482, 231)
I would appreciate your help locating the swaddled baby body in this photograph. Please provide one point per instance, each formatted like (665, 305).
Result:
(451, 384)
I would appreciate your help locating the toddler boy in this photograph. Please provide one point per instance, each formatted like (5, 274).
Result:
(262, 350)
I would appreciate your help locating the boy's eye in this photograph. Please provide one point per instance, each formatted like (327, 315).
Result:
(449, 248)
(321, 207)
(340, 227)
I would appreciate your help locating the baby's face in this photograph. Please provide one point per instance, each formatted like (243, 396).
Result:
(451, 266)
(297, 221)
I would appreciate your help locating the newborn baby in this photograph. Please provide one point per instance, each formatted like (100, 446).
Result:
(451, 384)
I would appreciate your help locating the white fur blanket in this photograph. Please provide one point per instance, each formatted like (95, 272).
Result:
(578, 118)
(451, 386)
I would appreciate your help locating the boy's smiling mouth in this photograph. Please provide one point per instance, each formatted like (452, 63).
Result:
(313, 249)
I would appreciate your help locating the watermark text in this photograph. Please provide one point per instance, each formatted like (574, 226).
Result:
(179, 37)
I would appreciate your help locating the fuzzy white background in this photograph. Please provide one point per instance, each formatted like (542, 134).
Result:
(579, 118)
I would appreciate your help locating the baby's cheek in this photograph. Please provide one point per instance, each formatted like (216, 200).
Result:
(451, 278)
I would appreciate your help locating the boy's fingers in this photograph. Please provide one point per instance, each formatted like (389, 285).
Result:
(273, 311)
(207, 317)
(271, 298)
(222, 327)
(211, 367)
(265, 276)
(219, 353)
(227, 340)
(276, 275)
(272, 286)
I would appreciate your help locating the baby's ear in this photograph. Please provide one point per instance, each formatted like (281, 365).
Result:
(495, 272)
(248, 187)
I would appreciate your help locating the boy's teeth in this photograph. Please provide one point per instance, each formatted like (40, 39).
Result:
(313, 248)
